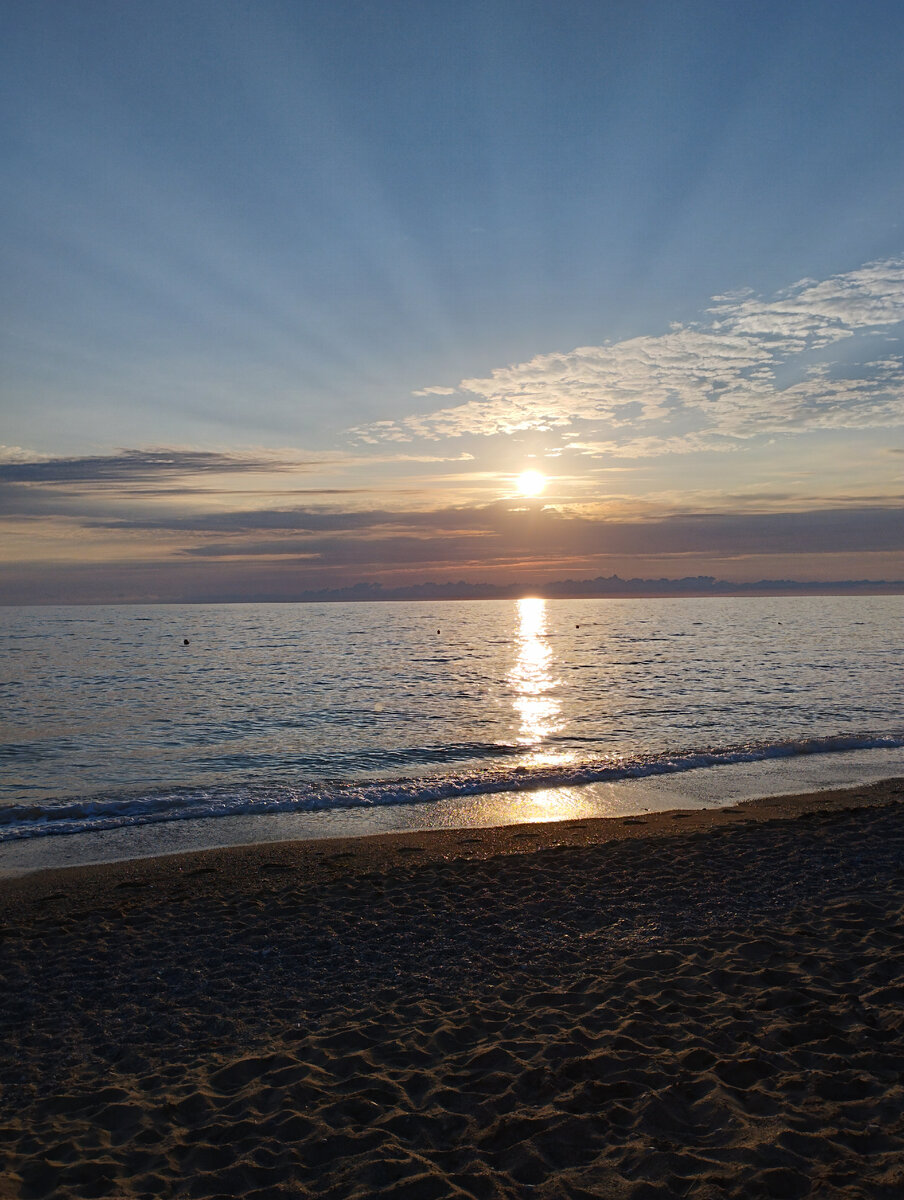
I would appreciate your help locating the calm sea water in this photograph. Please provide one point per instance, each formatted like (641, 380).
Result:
(109, 720)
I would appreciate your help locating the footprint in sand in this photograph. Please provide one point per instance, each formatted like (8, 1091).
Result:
(633, 821)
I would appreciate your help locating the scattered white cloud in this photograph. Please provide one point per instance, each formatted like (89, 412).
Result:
(748, 370)
(812, 313)
(419, 458)
(650, 447)
(434, 391)
(17, 454)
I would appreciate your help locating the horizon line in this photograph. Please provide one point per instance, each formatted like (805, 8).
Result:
(598, 588)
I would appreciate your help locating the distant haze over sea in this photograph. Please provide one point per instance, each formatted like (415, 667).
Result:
(599, 587)
(602, 586)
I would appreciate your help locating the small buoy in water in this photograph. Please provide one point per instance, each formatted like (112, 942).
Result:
(437, 631)
(577, 627)
(185, 641)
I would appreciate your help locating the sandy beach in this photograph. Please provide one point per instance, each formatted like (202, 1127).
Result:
(703, 1004)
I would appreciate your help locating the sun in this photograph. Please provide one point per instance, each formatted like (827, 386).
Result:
(530, 483)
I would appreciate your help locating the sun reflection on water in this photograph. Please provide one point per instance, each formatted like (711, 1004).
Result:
(534, 684)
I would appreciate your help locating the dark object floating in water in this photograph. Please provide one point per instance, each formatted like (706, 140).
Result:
(185, 641)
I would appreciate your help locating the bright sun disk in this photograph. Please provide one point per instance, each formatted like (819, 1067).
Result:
(531, 483)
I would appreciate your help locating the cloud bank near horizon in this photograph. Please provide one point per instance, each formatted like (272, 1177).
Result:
(819, 357)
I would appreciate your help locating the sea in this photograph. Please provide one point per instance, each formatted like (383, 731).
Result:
(133, 730)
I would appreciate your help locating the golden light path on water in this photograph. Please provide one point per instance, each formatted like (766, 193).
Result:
(532, 680)
(537, 702)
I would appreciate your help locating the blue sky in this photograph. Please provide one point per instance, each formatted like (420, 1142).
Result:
(378, 258)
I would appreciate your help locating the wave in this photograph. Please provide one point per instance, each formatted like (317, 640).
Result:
(92, 813)
(334, 762)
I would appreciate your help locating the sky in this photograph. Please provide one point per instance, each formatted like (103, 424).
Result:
(294, 293)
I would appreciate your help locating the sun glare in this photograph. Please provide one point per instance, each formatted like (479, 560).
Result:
(531, 483)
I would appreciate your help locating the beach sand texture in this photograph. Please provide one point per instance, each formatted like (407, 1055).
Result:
(696, 1004)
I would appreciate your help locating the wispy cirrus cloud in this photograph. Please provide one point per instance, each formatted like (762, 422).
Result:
(18, 465)
(130, 481)
(753, 367)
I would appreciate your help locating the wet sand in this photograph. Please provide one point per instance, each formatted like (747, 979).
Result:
(699, 1003)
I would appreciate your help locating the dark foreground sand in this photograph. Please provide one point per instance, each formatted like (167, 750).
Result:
(698, 1005)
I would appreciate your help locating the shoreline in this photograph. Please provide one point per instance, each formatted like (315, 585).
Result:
(692, 1003)
(316, 859)
(709, 787)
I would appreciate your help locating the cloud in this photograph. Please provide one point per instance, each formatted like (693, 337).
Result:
(278, 553)
(434, 391)
(128, 484)
(754, 367)
(411, 458)
(811, 313)
(316, 520)
(503, 538)
(17, 454)
(137, 466)
(650, 446)
(506, 532)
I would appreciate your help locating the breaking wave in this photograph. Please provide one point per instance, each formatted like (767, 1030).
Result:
(73, 815)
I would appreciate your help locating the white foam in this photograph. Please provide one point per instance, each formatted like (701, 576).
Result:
(76, 815)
